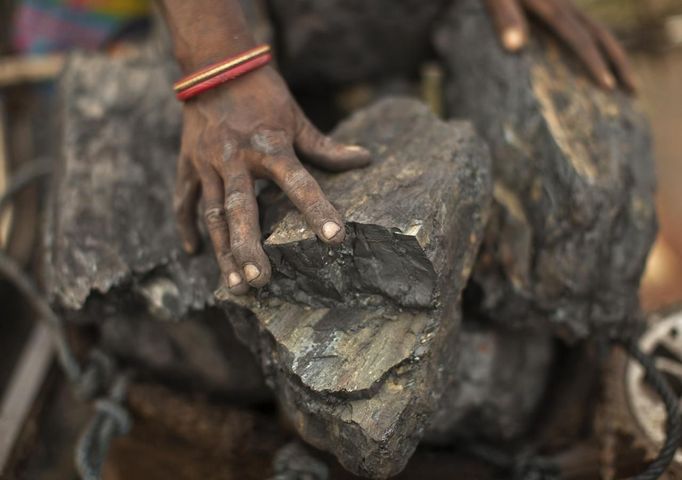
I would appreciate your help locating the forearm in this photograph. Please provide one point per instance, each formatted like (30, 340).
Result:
(205, 31)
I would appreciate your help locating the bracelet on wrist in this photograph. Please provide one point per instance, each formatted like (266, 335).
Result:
(221, 72)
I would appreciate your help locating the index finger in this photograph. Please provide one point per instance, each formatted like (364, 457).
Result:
(307, 196)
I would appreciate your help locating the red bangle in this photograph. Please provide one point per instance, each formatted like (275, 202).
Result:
(221, 72)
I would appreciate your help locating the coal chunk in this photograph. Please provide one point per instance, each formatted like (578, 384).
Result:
(573, 215)
(360, 341)
(112, 256)
(412, 216)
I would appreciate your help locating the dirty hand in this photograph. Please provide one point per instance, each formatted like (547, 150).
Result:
(598, 50)
(233, 135)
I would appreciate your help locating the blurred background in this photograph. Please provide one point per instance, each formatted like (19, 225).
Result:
(36, 35)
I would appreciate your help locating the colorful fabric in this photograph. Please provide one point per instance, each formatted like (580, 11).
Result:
(49, 25)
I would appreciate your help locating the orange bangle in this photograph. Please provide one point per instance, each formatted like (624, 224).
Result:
(221, 72)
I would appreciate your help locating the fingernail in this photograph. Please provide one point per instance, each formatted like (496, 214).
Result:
(512, 38)
(251, 272)
(609, 81)
(330, 229)
(356, 148)
(189, 248)
(233, 279)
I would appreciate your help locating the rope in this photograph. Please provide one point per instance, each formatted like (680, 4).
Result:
(673, 422)
(525, 466)
(12, 272)
(111, 418)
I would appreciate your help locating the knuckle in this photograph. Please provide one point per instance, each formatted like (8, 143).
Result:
(324, 142)
(239, 245)
(237, 181)
(245, 245)
(226, 260)
(214, 218)
(236, 200)
(271, 142)
(277, 164)
(229, 150)
(299, 181)
(317, 209)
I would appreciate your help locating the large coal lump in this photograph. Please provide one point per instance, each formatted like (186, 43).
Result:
(573, 215)
(360, 341)
(113, 258)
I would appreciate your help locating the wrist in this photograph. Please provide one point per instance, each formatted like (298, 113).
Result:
(198, 55)
(206, 31)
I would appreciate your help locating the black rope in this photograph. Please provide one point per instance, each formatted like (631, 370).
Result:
(11, 271)
(673, 422)
(527, 466)
(111, 417)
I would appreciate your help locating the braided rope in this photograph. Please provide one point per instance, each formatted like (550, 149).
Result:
(673, 422)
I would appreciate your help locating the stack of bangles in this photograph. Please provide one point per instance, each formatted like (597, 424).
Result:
(221, 72)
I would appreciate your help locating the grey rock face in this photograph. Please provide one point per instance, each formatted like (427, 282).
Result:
(573, 181)
(338, 41)
(111, 222)
(502, 376)
(360, 370)
(112, 255)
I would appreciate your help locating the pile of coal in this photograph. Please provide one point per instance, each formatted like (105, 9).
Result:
(363, 345)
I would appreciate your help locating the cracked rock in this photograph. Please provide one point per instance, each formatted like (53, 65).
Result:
(412, 217)
(573, 215)
(360, 341)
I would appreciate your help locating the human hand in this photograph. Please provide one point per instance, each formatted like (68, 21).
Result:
(596, 47)
(233, 135)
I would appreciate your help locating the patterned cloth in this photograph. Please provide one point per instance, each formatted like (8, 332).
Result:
(50, 25)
